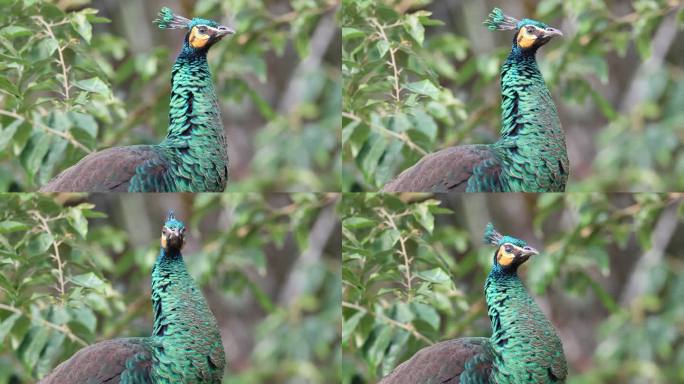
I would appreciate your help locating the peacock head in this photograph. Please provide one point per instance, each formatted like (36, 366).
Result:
(202, 33)
(173, 234)
(530, 34)
(510, 252)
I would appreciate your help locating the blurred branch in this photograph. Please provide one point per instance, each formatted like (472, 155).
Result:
(662, 42)
(322, 230)
(325, 33)
(661, 235)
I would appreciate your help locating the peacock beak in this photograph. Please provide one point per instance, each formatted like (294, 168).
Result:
(222, 30)
(552, 32)
(174, 239)
(529, 251)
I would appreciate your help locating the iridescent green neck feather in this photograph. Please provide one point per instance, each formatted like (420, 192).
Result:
(189, 347)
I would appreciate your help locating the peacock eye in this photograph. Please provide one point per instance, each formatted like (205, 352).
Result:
(202, 30)
(530, 29)
(509, 249)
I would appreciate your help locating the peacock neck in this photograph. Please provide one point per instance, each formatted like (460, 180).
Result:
(532, 145)
(524, 340)
(175, 297)
(193, 110)
(195, 143)
(189, 345)
(522, 91)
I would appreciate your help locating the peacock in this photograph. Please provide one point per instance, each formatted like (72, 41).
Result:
(523, 348)
(530, 155)
(193, 156)
(185, 346)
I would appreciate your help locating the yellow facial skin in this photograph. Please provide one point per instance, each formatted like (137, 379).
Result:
(163, 241)
(197, 39)
(527, 36)
(504, 258)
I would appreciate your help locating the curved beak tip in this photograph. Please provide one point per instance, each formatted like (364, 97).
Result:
(223, 30)
(554, 32)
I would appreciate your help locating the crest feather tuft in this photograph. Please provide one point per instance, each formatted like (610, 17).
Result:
(497, 20)
(491, 236)
(168, 20)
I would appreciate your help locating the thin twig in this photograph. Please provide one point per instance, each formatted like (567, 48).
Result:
(60, 52)
(407, 327)
(59, 328)
(402, 252)
(399, 136)
(56, 256)
(392, 63)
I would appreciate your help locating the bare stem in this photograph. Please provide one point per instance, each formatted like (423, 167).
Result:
(407, 327)
(392, 63)
(60, 52)
(56, 256)
(402, 252)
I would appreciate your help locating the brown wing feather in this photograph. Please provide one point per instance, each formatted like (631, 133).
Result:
(440, 363)
(446, 171)
(102, 363)
(109, 170)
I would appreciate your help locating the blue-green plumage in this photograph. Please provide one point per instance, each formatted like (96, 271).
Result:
(185, 345)
(193, 157)
(523, 347)
(530, 155)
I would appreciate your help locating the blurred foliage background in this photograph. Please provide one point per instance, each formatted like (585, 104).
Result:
(423, 75)
(78, 76)
(610, 277)
(75, 269)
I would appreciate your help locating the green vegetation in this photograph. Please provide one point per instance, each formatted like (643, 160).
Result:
(423, 75)
(609, 277)
(73, 82)
(71, 276)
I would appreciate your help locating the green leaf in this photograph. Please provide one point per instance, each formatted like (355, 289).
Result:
(6, 326)
(12, 226)
(424, 216)
(424, 87)
(78, 221)
(415, 28)
(383, 47)
(80, 24)
(436, 275)
(95, 85)
(352, 33)
(35, 347)
(88, 280)
(358, 222)
(40, 244)
(350, 325)
(427, 314)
